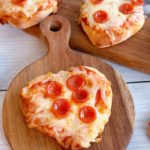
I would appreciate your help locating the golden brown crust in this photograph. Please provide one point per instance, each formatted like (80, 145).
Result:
(116, 29)
(103, 38)
(20, 20)
(29, 108)
(23, 23)
(24, 103)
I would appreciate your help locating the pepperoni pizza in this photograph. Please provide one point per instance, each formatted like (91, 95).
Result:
(108, 22)
(69, 105)
(25, 13)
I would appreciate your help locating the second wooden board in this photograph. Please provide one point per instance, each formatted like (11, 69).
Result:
(133, 53)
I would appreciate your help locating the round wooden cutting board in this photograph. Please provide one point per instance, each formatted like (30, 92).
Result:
(118, 131)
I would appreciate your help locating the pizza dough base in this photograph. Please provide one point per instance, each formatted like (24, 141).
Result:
(23, 21)
(44, 130)
(101, 39)
(106, 35)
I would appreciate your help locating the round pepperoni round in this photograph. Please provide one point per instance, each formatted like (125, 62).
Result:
(126, 8)
(75, 82)
(80, 96)
(138, 2)
(100, 16)
(87, 114)
(18, 2)
(53, 89)
(61, 108)
(96, 1)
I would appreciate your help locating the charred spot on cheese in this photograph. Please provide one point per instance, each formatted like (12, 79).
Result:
(85, 21)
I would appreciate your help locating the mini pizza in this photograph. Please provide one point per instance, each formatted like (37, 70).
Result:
(109, 22)
(25, 13)
(69, 105)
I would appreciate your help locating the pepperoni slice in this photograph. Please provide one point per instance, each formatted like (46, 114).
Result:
(126, 8)
(18, 2)
(138, 2)
(61, 108)
(75, 82)
(96, 1)
(53, 89)
(87, 114)
(80, 96)
(100, 16)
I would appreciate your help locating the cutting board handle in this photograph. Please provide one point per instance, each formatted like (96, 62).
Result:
(56, 29)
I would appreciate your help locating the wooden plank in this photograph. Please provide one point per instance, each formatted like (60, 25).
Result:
(29, 139)
(29, 48)
(141, 97)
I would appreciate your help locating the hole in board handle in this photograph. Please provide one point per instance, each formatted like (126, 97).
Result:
(56, 26)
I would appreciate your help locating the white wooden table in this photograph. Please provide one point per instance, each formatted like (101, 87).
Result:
(18, 49)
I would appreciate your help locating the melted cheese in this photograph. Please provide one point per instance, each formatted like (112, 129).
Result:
(116, 18)
(29, 8)
(73, 127)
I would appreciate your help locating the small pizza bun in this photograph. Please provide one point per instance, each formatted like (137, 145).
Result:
(71, 106)
(25, 13)
(109, 22)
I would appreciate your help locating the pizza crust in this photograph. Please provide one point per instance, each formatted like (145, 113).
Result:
(102, 38)
(74, 141)
(21, 17)
(105, 35)
(24, 23)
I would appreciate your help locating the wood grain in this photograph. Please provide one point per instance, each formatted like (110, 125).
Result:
(60, 57)
(133, 53)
